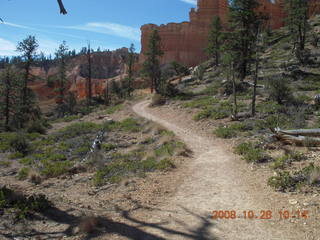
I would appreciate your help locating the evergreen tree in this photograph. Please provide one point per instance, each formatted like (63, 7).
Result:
(9, 93)
(152, 64)
(259, 45)
(243, 22)
(214, 41)
(230, 60)
(61, 56)
(28, 48)
(297, 21)
(130, 62)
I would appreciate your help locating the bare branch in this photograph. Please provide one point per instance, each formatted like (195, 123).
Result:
(62, 9)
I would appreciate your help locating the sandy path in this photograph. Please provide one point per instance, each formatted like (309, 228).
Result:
(214, 182)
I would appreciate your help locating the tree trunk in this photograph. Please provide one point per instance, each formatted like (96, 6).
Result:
(235, 107)
(152, 85)
(255, 81)
(89, 76)
(25, 87)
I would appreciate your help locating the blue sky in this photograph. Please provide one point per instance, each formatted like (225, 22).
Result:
(109, 24)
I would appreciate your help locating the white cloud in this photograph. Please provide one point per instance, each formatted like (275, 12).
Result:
(18, 26)
(113, 29)
(193, 2)
(7, 48)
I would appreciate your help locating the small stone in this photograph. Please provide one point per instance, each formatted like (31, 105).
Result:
(293, 201)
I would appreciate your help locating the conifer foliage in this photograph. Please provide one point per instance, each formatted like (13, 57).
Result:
(215, 39)
(151, 66)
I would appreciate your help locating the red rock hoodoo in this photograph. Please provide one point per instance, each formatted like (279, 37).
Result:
(185, 42)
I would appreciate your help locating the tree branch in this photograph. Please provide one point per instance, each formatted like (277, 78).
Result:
(62, 9)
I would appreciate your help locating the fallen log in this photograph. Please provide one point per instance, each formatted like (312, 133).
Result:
(298, 140)
(299, 132)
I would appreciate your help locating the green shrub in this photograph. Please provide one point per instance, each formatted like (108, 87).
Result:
(297, 156)
(5, 139)
(15, 155)
(282, 182)
(279, 90)
(62, 146)
(164, 132)
(269, 107)
(224, 132)
(23, 173)
(255, 155)
(69, 118)
(36, 127)
(125, 164)
(20, 144)
(250, 152)
(201, 102)
(166, 163)
(5, 164)
(26, 161)
(280, 162)
(231, 131)
(243, 148)
(113, 109)
(128, 125)
(78, 129)
(108, 146)
(23, 206)
(149, 164)
(165, 149)
(55, 169)
(82, 150)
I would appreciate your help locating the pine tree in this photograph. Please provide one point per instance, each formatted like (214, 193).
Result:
(28, 48)
(230, 60)
(243, 21)
(152, 64)
(130, 62)
(9, 93)
(297, 21)
(259, 45)
(61, 56)
(214, 41)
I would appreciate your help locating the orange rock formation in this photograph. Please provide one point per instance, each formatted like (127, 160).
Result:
(185, 42)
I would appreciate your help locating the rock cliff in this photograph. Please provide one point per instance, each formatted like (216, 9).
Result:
(185, 42)
(106, 66)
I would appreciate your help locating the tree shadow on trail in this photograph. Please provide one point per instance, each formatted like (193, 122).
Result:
(132, 228)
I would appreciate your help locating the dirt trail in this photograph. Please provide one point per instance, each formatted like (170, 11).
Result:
(214, 181)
